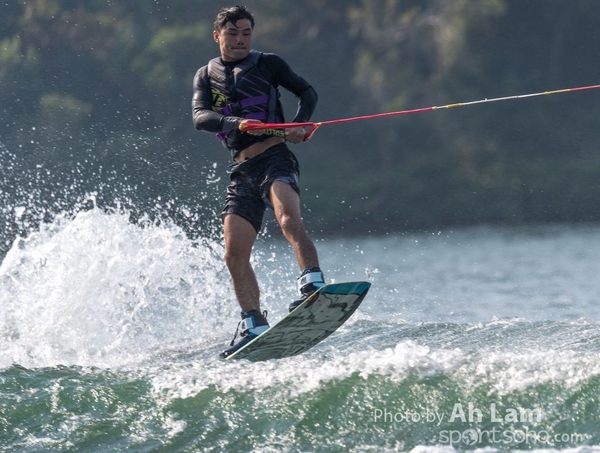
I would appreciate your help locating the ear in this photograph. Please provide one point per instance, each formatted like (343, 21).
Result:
(216, 36)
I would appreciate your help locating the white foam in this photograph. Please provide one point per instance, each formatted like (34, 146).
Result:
(500, 372)
(97, 290)
(305, 373)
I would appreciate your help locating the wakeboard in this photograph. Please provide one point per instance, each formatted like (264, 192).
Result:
(315, 319)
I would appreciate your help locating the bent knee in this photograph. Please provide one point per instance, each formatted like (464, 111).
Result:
(235, 257)
(291, 225)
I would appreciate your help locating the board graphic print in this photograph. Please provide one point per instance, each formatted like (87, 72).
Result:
(310, 323)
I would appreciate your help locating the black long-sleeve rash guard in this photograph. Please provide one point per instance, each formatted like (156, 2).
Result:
(280, 74)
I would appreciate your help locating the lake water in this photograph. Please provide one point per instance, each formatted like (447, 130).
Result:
(480, 338)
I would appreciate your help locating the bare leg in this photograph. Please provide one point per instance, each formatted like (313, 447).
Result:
(239, 240)
(286, 204)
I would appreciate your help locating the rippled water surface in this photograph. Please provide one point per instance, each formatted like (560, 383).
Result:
(469, 339)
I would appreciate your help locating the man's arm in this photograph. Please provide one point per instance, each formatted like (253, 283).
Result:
(307, 102)
(285, 76)
(205, 118)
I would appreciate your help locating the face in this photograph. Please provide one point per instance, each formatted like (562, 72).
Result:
(234, 40)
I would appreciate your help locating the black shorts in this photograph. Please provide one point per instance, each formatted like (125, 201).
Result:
(248, 191)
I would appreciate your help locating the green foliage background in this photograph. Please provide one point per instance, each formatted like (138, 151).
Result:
(96, 89)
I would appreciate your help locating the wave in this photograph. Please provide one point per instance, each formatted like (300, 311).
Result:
(345, 396)
(110, 333)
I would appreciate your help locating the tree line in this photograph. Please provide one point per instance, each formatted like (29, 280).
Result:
(95, 97)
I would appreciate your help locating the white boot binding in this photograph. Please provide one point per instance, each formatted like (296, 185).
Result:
(309, 281)
(253, 323)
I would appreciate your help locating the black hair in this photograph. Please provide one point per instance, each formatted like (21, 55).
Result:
(233, 14)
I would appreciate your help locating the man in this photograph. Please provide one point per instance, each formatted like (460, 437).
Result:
(231, 91)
